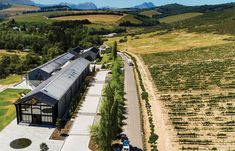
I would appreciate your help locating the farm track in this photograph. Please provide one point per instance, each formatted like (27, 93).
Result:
(160, 118)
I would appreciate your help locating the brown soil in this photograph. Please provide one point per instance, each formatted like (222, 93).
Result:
(63, 133)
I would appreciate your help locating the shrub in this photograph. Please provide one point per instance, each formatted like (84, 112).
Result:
(153, 138)
(44, 147)
(144, 95)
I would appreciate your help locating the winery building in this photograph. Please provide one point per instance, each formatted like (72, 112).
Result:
(52, 98)
(43, 72)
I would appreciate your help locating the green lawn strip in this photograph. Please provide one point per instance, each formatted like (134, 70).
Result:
(11, 80)
(7, 109)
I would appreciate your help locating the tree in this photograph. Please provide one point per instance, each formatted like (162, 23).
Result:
(114, 50)
(44, 147)
(111, 110)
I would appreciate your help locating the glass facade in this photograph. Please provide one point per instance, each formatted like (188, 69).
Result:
(36, 112)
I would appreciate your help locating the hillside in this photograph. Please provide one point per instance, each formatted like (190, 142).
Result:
(174, 9)
(23, 2)
(221, 22)
(179, 17)
(150, 13)
(16, 10)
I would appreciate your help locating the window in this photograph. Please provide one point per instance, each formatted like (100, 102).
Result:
(34, 111)
(27, 118)
(47, 119)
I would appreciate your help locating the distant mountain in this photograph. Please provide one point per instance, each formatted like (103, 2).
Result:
(22, 2)
(108, 8)
(145, 5)
(87, 6)
(83, 6)
(3, 6)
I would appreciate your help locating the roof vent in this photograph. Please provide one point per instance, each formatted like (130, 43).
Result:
(44, 90)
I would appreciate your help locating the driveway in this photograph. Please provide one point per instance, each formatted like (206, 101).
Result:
(133, 123)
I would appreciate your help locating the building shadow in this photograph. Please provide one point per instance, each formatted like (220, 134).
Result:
(135, 148)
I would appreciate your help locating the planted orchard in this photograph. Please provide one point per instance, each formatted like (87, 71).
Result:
(198, 95)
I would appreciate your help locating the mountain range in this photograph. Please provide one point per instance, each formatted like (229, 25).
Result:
(82, 6)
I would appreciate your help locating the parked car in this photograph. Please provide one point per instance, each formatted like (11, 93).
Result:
(130, 62)
(126, 145)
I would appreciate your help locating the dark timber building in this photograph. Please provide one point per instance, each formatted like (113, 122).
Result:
(43, 72)
(52, 98)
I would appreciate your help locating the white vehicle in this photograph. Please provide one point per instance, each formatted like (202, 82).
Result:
(130, 62)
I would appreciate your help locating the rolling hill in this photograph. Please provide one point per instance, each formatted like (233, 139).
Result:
(21, 2)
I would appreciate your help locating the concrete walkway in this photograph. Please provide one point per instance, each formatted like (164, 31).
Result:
(79, 136)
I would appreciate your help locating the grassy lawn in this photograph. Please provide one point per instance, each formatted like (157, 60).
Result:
(180, 17)
(101, 19)
(11, 80)
(7, 109)
(168, 41)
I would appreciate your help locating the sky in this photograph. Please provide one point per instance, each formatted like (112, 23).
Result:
(130, 3)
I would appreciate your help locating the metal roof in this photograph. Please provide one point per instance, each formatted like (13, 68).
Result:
(52, 90)
(62, 82)
(56, 63)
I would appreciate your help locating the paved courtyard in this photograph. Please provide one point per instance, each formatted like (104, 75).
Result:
(36, 134)
(79, 136)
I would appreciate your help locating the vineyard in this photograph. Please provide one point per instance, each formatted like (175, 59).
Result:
(197, 88)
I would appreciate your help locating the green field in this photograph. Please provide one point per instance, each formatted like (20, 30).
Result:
(149, 13)
(180, 17)
(196, 87)
(131, 18)
(7, 109)
(160, 41)
(11, 79)
(35, 17)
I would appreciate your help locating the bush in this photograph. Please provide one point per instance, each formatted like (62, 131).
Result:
(123, 40)
(144, 95)
(153, 138)
(44, 147)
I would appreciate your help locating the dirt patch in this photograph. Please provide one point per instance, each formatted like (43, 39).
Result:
(63, 133)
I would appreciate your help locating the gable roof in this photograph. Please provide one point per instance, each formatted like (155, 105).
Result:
(56, 63)
(54, 88)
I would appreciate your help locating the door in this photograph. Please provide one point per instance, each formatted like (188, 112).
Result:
(36, 119)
